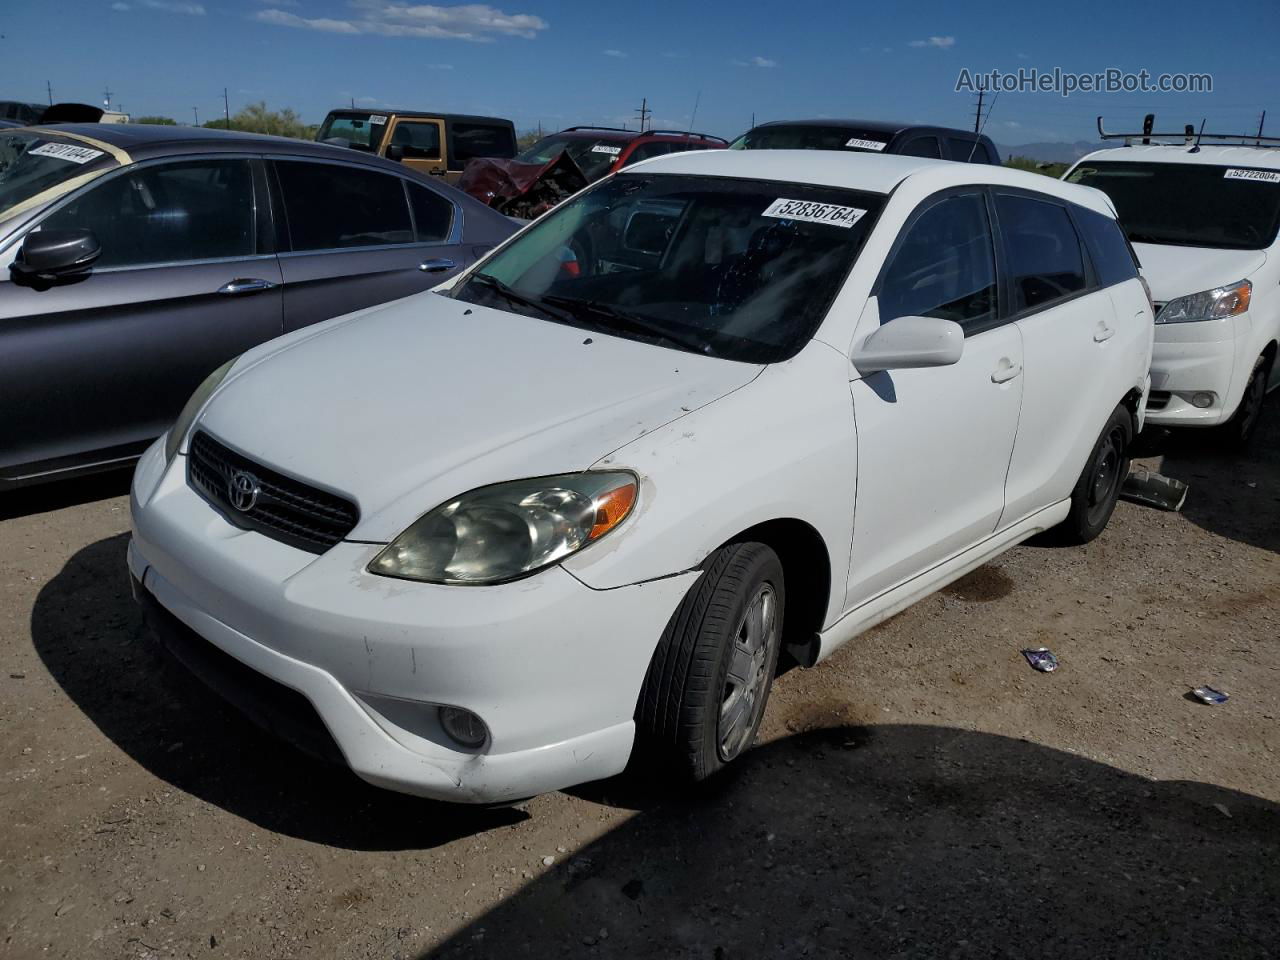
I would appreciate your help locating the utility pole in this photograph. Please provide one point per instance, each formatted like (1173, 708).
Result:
(226, 107)
(196, 113)
(977, 114)
(643, 113)
(49, 86)
(106, 98)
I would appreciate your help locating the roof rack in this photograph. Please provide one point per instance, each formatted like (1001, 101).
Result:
(589, 126)
(1187, 137)
(688, 133)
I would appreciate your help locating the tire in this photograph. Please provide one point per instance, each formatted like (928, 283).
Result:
(1094, 497)
(707, 685)
(1236, 434)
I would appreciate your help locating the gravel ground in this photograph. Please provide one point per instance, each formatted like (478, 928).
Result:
(922, 794)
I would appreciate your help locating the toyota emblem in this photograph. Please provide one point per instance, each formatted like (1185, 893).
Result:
(243, 491)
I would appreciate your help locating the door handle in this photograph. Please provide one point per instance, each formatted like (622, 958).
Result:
(1103, 332)
(245, 285)
(436, 173)
(436, 265)
(1005, 371)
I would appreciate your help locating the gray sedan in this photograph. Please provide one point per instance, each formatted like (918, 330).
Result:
(136, 259)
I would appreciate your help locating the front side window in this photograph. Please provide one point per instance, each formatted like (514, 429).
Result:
(1189, 204)
(470, 140)
(419, 141)
(740, 269)
(331, 206)
(30, 164)
(647, 151)
(167, 213)
(1042, 250)
(944, 266)
(363, 131)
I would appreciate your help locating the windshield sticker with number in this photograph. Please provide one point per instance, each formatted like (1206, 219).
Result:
(1261, 176)
(377, 119)
(65, 151)
(858, 144)
(831, 214)
(612, 151)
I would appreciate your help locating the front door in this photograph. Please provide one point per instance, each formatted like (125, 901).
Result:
(934, 444)
(419, 144)
(93, 370)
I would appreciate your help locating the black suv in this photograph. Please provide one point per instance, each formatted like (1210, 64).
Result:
(870, 136)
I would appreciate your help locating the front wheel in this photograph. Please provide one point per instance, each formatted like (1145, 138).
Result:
(1237, 432)
(707, 685)
(1096, 492)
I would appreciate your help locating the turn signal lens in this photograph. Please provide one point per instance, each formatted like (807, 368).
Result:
(612, 508)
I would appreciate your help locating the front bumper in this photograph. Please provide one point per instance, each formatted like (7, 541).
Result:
(1191, 358)
(553, 667)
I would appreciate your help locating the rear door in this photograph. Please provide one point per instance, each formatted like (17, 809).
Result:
(470, 139)
(419, 144)
(94, 370)
(934, 444)
(1079, 351)
(353, 236)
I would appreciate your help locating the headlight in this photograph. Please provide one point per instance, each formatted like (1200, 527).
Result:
(173, 439)
(1210, 305)
(509, 530)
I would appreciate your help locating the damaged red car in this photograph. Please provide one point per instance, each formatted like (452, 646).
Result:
(561, 164)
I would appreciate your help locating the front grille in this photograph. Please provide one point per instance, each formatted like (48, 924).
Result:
(274, 505)
(1158, 399)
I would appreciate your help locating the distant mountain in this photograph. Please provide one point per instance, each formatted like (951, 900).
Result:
(1050, 152)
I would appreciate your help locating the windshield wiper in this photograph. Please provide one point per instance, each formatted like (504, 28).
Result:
(513, 296)
(616, 319)
(1169, 241)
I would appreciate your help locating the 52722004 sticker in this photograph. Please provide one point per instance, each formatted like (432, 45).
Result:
(1260, 176)
(833, 215)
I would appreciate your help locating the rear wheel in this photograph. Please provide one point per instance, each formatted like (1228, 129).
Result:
(709, 680)
(1237, 432)
(1094, 498)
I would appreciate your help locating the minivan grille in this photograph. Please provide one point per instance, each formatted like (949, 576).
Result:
(257, 498)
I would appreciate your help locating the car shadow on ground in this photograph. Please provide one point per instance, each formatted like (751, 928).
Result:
(1233, 495)
(911, 841)
(89, 634)
(59, 494)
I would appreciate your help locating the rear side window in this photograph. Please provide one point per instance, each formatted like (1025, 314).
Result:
(432, 214)
(1042, 250)
(922, 147)
(469, 140)
(330, 206)
(944, 267)
(193, 210)
(968, 151)
(419, 141)
(1108, 249)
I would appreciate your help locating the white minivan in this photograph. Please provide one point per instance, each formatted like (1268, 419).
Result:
(1203, 219)
(485, 542)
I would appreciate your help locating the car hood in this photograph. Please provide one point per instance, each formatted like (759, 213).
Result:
(411, 404)
(1174, 271)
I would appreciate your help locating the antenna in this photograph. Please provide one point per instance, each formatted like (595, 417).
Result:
(977, 113)
(226, 107)
(1261, 121)
(49, 86)
(693, 116)
(1196, 148)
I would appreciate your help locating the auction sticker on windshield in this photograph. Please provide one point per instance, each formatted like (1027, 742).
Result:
(612, 151)
(65, 151)
(377, 120)
(1262, 176)
(857, 144)
(829, 213)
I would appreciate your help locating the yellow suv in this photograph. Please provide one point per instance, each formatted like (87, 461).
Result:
(440, 144)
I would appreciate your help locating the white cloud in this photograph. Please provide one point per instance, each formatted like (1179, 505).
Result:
(942, 43)
(473, 21)
(614, 53)
(173, 6)
(755, 62)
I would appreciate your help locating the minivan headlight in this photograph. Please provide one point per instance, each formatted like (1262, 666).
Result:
(1209, 304)
(173, 439)
(509, 530)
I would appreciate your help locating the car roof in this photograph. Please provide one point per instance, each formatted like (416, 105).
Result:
(1216, 154)
(889, 128)
(872, 172)
(424, 114)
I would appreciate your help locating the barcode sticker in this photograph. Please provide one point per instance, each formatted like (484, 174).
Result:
(857, 144)
(65, 151)
(377, 119)
(829, 213)
(612, 151)
(1261, 176)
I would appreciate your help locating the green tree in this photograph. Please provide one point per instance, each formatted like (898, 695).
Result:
(161, 121)
(527, 139)
(1031, 165)
(256, 118)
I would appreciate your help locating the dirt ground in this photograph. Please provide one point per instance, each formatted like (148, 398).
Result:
(922, 794)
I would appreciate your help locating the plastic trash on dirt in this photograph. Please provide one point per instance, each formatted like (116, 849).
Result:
(1041, 659)
(1154, 490)
(1209, 695)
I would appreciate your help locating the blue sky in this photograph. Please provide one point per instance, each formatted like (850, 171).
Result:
(560, 62)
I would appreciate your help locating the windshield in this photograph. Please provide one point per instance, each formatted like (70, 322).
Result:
(811, 137)
(31, 164)
(361, 130)
(740, 269)
(593, 156)
(1187, 204)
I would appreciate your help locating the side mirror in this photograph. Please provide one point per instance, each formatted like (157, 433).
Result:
(395, 152)
(50, 255)
(909, 342)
